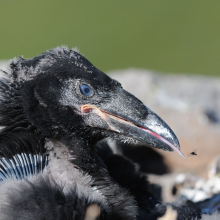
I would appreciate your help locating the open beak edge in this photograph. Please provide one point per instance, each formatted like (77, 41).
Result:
(108, 117)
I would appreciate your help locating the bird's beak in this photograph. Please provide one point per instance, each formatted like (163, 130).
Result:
(131, 118)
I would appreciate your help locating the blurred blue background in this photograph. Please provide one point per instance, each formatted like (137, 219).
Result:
(167, 36)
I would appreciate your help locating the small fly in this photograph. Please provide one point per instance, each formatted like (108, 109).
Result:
(194, 153)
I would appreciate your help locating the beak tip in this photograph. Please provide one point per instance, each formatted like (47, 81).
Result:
(182, 154)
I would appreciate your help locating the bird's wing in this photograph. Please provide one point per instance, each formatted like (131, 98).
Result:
(21, 155)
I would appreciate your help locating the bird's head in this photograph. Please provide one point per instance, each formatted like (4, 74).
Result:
(60, 93)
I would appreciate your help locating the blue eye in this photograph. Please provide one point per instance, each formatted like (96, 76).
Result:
(85, 90)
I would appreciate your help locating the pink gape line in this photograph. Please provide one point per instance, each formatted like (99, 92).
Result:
(164, 140)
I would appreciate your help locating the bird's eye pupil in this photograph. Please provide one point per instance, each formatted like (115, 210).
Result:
(85, 90)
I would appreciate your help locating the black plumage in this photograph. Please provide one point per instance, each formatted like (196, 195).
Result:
(55, 108)
(45, 199)
(126, 173)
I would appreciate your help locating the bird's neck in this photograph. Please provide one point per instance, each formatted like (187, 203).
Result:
(81, 156)
(80, 151)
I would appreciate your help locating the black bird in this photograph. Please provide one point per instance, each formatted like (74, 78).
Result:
(54, 108)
